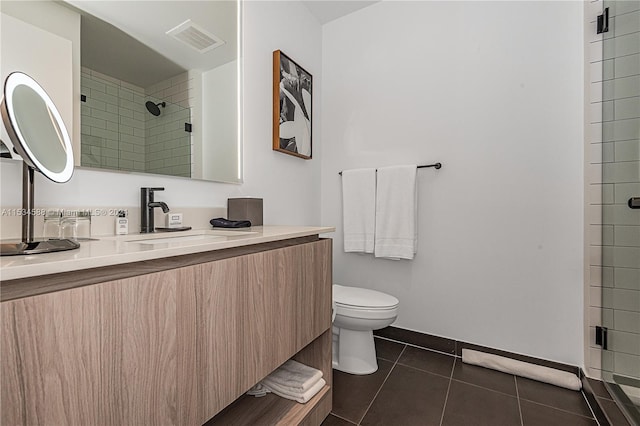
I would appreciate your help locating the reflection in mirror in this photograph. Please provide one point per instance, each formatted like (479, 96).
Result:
(132, 131)
(38, 135)
(44, 139)
(36, 128)
(161, 95)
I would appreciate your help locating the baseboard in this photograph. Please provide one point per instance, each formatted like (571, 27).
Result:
(415, 338)
(454, 347)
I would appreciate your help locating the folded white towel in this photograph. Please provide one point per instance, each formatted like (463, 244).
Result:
(396, 212)
(359, 208)
(258, 390)
(288, 393)
(295, 375)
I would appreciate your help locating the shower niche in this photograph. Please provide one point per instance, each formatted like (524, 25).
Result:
(129, 128)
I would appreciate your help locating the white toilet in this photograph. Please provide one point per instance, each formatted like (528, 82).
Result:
(358, 312)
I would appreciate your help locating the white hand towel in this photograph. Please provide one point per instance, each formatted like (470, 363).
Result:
(258, 390)
(396, 212)
(294, 375)
(359, 208)
(287, 393)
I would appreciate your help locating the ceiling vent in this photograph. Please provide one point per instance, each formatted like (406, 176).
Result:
(195, 36)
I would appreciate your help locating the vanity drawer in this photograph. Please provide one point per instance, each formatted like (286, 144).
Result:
(169, 347)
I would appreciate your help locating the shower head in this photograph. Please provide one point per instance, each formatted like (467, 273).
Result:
(152, 107)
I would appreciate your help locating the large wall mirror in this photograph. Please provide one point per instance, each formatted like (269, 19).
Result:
(160, 87)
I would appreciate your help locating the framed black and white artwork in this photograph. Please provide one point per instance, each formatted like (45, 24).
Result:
(292, 94)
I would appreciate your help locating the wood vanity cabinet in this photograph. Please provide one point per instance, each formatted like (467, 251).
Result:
(171, 347)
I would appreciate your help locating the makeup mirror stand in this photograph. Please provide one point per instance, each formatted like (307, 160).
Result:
(29, 245)
(27, 202)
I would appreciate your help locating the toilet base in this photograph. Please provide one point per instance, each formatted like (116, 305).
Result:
(355, 352)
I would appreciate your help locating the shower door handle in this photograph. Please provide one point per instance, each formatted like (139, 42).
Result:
(634, 203)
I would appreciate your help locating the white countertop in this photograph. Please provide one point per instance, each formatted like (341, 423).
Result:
(115, 250)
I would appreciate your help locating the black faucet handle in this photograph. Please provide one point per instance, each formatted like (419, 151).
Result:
(148, 190)
(146, 195)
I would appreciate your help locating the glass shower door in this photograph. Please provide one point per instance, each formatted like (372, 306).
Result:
(621, 205)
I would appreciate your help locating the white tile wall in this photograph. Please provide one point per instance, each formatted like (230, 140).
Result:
(613, 279)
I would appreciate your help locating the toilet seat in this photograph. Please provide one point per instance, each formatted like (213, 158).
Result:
(355, 298)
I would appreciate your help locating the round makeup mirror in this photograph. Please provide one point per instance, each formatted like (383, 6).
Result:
(40, 137)
(36, 128)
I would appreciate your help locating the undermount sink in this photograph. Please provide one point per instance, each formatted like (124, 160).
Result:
(202, 237)
(225, 233)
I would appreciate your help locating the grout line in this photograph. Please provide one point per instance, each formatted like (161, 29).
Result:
(418, 347)
(342, 418)
(560, 409)
(380, 388)
(515, 380)
(484, 387)
(446, 398)
(426, 371)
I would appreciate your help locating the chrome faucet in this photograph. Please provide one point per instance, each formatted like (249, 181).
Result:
(147, 204)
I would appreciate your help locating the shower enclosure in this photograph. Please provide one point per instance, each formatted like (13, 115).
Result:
(124, 128)
(620, 336)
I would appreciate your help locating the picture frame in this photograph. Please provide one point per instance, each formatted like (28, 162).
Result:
(292, 107)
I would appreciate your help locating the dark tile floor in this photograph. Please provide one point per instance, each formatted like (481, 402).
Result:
(611, 410)
(419, 387)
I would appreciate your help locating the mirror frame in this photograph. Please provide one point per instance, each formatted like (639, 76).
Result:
(238, 178)
(20, 143)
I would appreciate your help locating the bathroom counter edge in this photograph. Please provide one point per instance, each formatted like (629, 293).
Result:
(111, 251)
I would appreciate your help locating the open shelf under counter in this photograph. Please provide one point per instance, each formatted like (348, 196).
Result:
(274, 410)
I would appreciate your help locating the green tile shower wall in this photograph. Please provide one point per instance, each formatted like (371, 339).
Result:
(621, 230)
(117, 132)
(628, 278)
(111, 118)
(614, 275)
(168, 148)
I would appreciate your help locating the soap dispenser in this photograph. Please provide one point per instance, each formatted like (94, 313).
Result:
(122, 223)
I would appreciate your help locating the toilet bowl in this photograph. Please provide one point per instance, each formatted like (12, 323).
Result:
(358, 312)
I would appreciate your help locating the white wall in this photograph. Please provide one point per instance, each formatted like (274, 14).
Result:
(34, 55)
(497, 97)
(220, 129)
(59, 21)
(289, 186)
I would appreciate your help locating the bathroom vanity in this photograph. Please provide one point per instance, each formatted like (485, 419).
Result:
(170, 332)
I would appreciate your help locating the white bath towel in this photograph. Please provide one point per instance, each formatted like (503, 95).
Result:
(359, 209)
(287, 393)
(524, 369)
(396, 212)
(295, 376)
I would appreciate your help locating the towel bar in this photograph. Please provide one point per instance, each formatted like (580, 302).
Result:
(436, 166)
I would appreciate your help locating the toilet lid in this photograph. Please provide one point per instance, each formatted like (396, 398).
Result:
(362, 297)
